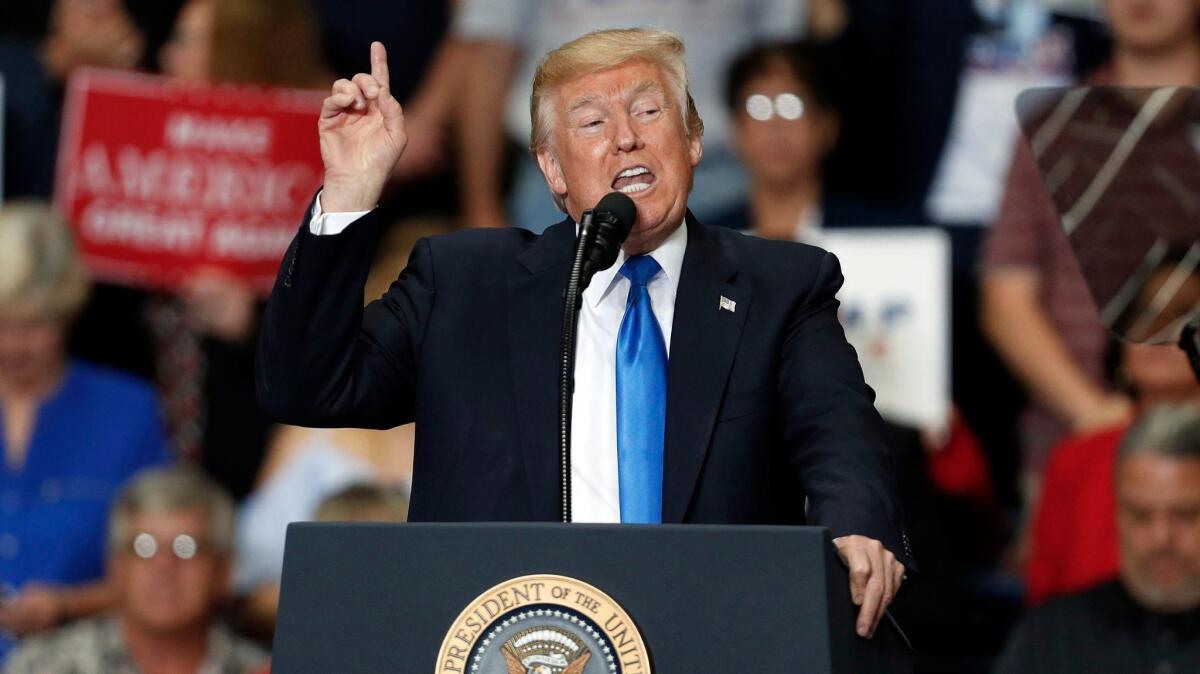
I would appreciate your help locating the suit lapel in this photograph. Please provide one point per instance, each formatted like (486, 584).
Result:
(535, 310)
(704, 339)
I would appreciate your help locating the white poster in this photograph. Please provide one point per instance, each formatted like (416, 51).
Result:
(1026, 51)
(896, 312)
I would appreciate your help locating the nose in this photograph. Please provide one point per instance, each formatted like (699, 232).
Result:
(163, 562)
(627, 138)
(1162, 532)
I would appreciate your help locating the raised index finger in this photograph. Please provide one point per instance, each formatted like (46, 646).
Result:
(379, 66)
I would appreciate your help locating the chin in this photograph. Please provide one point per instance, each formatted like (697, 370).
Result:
(1165, 595)
(164, 621)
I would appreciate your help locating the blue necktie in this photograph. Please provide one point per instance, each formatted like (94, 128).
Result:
(641, 398)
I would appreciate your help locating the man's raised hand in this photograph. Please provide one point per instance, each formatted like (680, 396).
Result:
(362, 137)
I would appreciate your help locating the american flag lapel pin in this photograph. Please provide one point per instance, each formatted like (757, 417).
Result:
(727, 305)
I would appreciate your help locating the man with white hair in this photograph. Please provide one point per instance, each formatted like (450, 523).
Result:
(169, 543)
(713, 382)
(1149, 619)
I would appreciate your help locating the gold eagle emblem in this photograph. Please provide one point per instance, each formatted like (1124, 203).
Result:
(545, 650)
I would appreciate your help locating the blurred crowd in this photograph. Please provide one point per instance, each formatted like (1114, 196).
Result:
(144, 498)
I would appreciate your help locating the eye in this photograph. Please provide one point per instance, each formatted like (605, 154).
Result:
(647, 110)
(1188, 515)
(759, 107)
(1136, 515)
(789, 106)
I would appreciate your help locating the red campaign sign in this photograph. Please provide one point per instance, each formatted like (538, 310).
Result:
(161, 177)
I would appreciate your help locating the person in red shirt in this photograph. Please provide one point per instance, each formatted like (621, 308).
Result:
(1074, 543)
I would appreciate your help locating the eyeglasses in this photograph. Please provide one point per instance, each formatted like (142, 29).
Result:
(183, 546)
(787, 106)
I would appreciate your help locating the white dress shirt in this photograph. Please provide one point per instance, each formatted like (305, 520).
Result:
(594, 482)
(595, 494)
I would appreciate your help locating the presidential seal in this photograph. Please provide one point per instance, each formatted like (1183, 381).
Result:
(543, 625)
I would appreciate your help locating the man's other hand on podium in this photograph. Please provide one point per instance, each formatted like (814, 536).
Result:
(875, 577)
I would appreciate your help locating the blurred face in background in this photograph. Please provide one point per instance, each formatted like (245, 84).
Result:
(91, 33)
(187, 54)
(1158, 525)
(163, 593)
(32, 349)
(779, 132)
(1153, 25)
(611, 125)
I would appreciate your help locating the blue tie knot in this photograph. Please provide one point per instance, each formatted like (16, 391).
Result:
(639, 269)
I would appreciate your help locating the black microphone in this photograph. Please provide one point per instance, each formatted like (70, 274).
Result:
(602, 230)
(612, 220)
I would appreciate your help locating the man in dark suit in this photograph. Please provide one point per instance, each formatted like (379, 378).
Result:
(713, 381)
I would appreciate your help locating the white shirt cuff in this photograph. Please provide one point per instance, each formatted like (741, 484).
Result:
(329, 224)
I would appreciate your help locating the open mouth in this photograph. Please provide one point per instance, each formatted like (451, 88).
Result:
(633, 180)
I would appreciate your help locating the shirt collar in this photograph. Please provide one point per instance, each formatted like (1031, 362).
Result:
(669, 256)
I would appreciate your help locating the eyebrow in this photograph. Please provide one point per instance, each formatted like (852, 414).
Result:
(645, 86)
(583, 102)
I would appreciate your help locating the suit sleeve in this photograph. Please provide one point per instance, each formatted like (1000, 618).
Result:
(835, 435)
(324, 360)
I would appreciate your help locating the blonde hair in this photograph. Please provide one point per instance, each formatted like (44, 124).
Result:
(602, 50)
(40, 270)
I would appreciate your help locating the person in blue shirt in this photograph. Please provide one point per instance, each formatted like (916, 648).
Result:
(70, 433)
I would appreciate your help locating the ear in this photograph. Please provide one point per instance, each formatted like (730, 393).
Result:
(695, 149)
(831, 128)
(552, 171)
(116, 569)
(223, 578)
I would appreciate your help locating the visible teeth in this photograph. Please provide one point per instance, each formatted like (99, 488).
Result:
(635, 187)
(636, 171)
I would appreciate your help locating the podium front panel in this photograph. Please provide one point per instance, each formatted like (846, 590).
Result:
(722, 599)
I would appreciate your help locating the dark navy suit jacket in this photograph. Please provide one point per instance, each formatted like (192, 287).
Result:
(766, 404)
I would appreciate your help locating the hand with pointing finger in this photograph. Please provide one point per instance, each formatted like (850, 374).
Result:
(362, 137)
